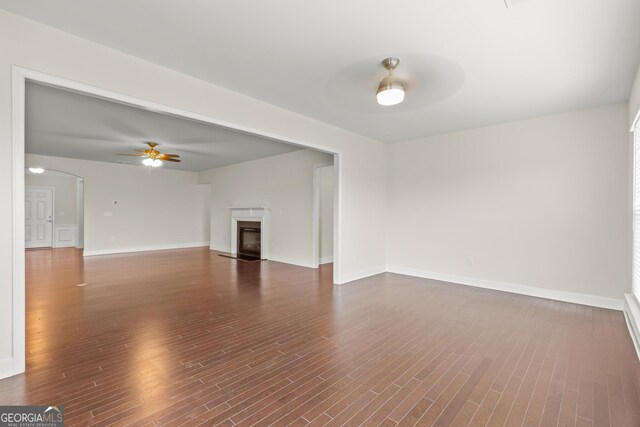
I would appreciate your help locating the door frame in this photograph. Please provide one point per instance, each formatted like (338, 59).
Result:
(53, 213)
(631, 307)
(79, 212)
(316, 211)
(19, 78)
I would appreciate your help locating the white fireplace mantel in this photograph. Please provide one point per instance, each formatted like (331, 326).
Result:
(257, 214)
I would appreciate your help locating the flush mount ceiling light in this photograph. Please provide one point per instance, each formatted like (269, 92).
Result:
(36, 170)
(391, 89)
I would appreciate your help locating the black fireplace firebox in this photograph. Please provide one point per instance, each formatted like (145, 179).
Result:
(249, 239)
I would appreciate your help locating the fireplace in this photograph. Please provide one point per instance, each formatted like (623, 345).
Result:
(249, 239)
(252, 243)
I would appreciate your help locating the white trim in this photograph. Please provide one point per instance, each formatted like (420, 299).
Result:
(326, 260)
(316, 214)
(80, 213)
(19, 78)
(576, 298)
(289, 261)
(632, 316)
(635, 124)
(337, 219)
(315, 218)
(144, 248)
(363, 274)
(260, 215)
(6, 368)
(635, 233)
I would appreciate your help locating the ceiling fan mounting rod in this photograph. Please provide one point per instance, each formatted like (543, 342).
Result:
(390, 63)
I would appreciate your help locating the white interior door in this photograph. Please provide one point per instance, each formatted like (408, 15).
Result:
(38, 220)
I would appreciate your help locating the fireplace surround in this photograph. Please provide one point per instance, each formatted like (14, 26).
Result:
(254, 222)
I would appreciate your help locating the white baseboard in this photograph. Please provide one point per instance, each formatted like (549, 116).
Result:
(290, 261)
(326, 260)
(346, 278)
(6, 368)
(632, 316)
(576, 298)
(144, 248)
(226, 249)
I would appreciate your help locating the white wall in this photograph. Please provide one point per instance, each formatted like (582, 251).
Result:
(326, 213)
(540, 203)
(66, 188)
(123, 204)
(35, 46)
(284, 185)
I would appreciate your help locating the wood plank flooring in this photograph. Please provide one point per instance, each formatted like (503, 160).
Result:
(186, 338)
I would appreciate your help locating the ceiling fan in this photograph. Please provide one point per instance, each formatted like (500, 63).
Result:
(153, 157)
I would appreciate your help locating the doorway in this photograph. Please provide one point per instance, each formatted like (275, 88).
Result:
(324, 202)
(20, 78)
(38, 217)
(54, 209)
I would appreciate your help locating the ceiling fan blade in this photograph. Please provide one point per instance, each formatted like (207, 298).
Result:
(167, 156)
(171, 160)
(136, 155)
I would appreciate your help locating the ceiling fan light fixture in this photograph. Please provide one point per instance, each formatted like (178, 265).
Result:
(36, 170)
(391, 89)
(152, 157)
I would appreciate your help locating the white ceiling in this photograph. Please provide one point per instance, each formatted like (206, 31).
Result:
(469, 62)
(66, 124)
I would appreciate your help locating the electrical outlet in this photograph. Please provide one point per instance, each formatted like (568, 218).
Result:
(469, 262)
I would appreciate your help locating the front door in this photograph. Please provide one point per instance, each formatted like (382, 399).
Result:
(38, 211)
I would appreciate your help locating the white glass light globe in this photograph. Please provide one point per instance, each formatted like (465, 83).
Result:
(391, 96)
(147, 162)
(156, 163)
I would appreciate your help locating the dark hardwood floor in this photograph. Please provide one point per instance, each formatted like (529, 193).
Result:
(186, 337)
